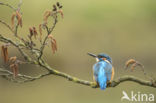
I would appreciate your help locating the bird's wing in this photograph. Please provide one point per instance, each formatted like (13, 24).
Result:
(102, 78)
(108, 69)
(100, 74)
(104, 65)
(96, 70)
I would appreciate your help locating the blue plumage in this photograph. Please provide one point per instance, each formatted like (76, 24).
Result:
(102, 73)
(102, 79)
(103, 70)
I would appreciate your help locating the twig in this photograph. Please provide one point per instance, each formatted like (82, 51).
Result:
(80, 81)
(16, 29)
(48, 33)
(26, 57)
(71, 78)
(5, 4)
(3, 22)
(21, 78)
(24, 78)
(133, 79)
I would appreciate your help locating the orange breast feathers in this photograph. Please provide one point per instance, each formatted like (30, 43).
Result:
(112, 76)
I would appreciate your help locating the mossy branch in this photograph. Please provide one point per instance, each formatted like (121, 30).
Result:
(21, 44)
(24, 78)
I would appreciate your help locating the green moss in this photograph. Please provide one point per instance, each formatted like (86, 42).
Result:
(75, 79)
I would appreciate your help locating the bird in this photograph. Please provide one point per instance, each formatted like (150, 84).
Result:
(103, 71)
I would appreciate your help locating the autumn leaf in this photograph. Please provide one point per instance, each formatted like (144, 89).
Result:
(14, 68)
(4, 53)
(19, 18)
(61, 12)
(129, 62)
(46, 16)
(31, 32)
(53, 43)
(14, 65)
(35, 32)
(133, 64)
(12, 59)
(12, 20)
(40, 30)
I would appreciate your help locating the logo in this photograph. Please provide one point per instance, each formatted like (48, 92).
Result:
(137, 97)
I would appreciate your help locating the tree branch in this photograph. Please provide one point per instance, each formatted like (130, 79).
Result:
(4, 23)
(132, 79)
(5, 4)
(49, 31)
(114, 83)
(52, 71)
(18, 46)
(22, 78)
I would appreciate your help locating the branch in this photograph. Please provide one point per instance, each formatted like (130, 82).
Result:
(49, 30)
(64, 75)
(18, 46)
(94, 85)
(21, 78)
(114, 83)
(4, 23)
(132, 79)
(5, 4)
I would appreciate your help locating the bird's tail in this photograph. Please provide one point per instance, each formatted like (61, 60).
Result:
(102, 79)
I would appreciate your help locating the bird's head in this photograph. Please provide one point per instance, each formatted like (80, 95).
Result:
(101, 57)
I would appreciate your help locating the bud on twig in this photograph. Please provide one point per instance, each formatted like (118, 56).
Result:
(54, 8)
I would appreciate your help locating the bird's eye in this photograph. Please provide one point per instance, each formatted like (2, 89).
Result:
(100, 56)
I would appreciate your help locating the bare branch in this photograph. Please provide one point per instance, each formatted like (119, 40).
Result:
(21, 78)
(3, 22)
(113, 84)
(49, 31)
(5, 4)
(18, 46)
(80, 81)
(133, 79)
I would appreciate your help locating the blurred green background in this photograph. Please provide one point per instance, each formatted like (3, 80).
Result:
(123, 29)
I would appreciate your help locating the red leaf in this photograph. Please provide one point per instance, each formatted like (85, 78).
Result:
(53, 43)
(61, 12)
(14, 68)
(4, 53)
(35, 32)
(12, 20)
(40, 30)
(19, 18)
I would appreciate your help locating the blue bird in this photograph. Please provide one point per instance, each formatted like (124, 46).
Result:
(103, 71)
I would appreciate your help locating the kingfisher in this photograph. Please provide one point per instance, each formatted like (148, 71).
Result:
(103, 71)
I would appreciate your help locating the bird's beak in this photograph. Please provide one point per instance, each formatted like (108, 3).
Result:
(93, 55)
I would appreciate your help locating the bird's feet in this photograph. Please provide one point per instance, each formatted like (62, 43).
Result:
(94, 85)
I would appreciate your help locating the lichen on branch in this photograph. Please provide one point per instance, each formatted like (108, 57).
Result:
(29, 44)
